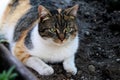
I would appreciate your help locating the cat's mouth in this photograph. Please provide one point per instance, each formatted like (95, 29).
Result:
(64, 41)
(59, 41)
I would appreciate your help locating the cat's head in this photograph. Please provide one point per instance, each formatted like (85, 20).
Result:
(58, 25)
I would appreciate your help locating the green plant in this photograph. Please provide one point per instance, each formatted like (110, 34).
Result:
(2, 41)
(8, 75)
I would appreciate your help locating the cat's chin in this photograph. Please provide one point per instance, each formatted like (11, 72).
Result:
(62, 43)
(59, 42)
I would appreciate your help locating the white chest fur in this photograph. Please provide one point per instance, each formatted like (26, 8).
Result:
(49, 52)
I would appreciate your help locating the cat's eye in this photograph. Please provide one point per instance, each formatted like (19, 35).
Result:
(52, 29)
(68, 29)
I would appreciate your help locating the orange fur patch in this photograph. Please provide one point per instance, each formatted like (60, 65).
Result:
(20, 50)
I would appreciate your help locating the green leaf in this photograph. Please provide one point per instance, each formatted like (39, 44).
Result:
(9, 75)
(12, 76)
(10, 71)
(3, 75)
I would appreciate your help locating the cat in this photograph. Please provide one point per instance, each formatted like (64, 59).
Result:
(38, 35)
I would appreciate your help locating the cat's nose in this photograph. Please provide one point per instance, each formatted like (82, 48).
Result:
(61, 37)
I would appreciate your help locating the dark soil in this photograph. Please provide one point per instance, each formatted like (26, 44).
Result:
(98, 56)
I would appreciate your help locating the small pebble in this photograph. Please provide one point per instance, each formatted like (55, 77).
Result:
(68, 75)
(87, 33)
(61, 2)
(99, 48)
(79, 72)
(87, 13)
(91, 68)
(117, 60)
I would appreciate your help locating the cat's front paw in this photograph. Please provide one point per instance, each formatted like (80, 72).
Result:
(46, 71)
(70, 68)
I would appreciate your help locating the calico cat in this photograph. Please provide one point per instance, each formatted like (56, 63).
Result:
(38, 35)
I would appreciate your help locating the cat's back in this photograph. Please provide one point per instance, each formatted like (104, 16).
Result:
(14, 10)
(10, 15)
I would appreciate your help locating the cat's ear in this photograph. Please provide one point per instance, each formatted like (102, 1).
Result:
(72, 11)
(43, 12)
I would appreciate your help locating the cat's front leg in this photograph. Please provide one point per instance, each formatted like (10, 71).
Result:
(69, 65)
(38, 65)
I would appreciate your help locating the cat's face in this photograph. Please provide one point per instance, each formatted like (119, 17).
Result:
(59, 25)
